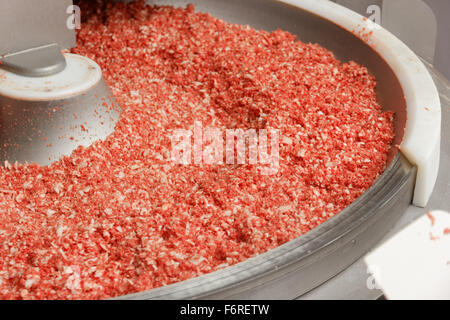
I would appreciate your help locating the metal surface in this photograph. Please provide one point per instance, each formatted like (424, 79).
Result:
(429, 38)
(33, 34)
(441, 9)
(26, 24)
(304, 263)
(36, 62)
(352, 282)
(44, 131)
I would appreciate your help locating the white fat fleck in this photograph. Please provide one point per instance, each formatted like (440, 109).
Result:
(60, 231)
(57, 187)
(27, 185)
(301, 153)
(287, 140)
(30, 282)
(284, 208)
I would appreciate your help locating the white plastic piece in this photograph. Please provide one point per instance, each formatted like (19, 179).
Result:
(80, 75)
(421, 143)
(415, 263)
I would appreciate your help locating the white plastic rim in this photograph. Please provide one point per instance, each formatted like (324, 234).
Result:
(413, 263)
(80, 75)
(421, 142)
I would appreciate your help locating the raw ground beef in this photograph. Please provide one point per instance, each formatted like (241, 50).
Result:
(119, 217)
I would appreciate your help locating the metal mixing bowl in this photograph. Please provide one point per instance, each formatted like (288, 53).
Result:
(307, 261)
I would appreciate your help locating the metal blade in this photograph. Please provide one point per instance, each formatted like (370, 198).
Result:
(27, 24)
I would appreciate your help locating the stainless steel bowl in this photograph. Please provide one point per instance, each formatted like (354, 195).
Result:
(304, 263)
